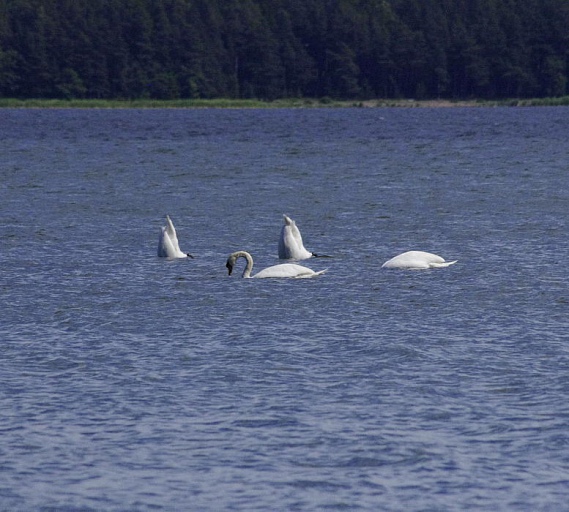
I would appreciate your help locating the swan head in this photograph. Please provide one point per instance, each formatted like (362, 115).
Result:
(233, 259)
(230, 263)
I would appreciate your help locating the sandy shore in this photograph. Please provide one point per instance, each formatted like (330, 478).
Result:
(424, 103)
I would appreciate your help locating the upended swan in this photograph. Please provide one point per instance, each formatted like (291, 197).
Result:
(417, 260)
(168, 246)
(283, 270)
(290, 242)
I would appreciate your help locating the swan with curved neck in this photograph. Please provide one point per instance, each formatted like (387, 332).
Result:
(168, 246)
(290, 242)
(417, 260)
(290, 270)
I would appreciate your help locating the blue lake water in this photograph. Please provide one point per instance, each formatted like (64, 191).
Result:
(130, 382)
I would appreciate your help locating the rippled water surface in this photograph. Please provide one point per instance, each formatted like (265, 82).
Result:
(130, 382)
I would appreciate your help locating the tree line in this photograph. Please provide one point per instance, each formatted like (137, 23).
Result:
(269, 49)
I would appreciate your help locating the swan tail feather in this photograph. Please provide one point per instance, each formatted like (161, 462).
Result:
(442, 265)
(314, 274)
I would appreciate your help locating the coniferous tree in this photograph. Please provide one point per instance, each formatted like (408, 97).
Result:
(282, 48)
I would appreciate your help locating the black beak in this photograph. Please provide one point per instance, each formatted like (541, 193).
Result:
(189, 255)
(229, 268)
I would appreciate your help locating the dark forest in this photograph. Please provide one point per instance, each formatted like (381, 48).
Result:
(270, 49)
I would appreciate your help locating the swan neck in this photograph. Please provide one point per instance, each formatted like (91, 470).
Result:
(249, 267)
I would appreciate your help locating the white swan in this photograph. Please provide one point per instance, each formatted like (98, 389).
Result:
(168, 246)
(417, 260)
(290, 242)
(282, 270)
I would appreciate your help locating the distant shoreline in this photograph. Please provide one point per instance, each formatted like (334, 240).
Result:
(283, 103)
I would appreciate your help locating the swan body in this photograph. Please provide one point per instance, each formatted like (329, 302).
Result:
(290, 242)
(284, 270)
(168, 246)
(417, 260)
